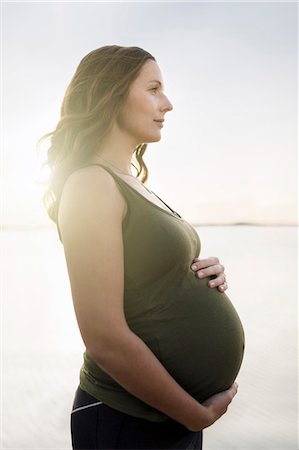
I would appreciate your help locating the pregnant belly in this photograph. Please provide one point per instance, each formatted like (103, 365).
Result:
(200, 338)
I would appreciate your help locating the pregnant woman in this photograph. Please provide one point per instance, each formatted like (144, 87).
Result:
(163, 345)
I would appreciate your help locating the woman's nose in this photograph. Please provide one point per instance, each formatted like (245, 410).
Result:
(168, 106)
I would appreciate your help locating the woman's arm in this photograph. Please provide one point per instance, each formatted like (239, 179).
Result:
(90, 221)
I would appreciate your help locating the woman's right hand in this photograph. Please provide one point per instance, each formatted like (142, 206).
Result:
(217, 405)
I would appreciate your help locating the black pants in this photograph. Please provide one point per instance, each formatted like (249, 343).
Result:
(97, 426)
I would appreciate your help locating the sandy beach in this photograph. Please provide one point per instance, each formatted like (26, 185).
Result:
(42, 348)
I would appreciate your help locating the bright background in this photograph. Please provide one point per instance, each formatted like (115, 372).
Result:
(228, 154)
(228, 151)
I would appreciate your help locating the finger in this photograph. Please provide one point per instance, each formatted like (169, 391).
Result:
(223, 287)
(216, 269)
(234, 389)
(205, 262)
(220, 280)
(231, 394)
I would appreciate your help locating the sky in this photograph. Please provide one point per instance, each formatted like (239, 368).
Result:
(228, 152)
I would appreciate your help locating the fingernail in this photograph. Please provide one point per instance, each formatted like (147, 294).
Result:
(201, 274)
(194, 267)
(212, 284)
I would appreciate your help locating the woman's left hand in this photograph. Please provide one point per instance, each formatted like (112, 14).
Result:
(208, 267)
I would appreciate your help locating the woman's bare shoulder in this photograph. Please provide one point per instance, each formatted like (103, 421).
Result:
(89, 177)
(89, 192)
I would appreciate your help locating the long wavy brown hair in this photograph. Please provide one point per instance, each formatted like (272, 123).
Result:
(91, 103)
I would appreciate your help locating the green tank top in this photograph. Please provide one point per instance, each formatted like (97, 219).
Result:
(192, 329)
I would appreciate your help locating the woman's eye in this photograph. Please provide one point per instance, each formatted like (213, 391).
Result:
(154, 88)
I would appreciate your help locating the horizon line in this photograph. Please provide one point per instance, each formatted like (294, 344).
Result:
(194, 224)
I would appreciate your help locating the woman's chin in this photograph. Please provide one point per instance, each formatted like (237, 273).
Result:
(156, 138)
(152, 138)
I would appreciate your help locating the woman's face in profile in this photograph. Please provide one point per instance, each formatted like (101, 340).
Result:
(146, 103)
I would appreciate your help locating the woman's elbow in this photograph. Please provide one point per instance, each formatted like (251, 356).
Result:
(109, 343)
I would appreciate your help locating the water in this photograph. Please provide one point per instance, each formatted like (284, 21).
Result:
(42, 347)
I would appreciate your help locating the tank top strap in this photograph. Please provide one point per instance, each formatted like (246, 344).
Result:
(126, 188)
(130, 188)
